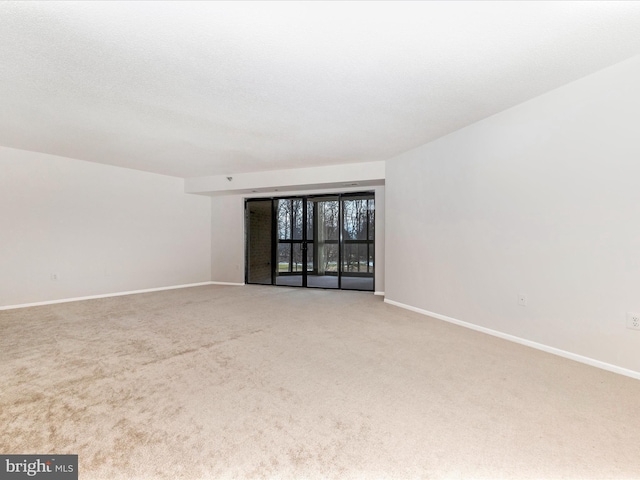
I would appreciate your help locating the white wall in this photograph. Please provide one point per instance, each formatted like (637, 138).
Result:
(227, 239)
(542, 199)
(227, 224)
(380, 240)
(101, 229)
(293, 179)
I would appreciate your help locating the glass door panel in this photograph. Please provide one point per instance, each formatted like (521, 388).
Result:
(358, 242)
(289, 233)
(325, 242)
(284, 258)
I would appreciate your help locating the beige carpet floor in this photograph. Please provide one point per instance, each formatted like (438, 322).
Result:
(273, 382)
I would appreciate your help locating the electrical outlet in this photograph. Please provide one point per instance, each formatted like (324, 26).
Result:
(633, 320)
(522, 300)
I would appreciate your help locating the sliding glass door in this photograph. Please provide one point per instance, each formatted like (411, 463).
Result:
(358, 225)
(314, 241)
(323, 271)
(290, 242)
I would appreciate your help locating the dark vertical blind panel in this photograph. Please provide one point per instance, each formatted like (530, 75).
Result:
(259, 244)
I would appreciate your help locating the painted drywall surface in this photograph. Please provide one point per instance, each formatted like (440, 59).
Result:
(295, 179)
(380, 239)
(227, 238)
(100, 229)
(542, 199)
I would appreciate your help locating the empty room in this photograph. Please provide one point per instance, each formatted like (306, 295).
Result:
(320, 240)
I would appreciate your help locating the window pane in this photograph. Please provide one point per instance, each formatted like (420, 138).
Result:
(310, 220)
(355, 219)
(296, 265)
(328, 218)
(284, 257)
(355, 258)
(296, 219)
(284, 219)
(327, 257)
(310, 266)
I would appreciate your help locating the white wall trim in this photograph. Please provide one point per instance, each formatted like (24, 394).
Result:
(106, 295)
(522, 341)
(228, 283)
(379, 293)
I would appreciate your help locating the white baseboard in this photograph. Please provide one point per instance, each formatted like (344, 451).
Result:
(106, 295)
(512, 338)
(379, 293)
(228, 283)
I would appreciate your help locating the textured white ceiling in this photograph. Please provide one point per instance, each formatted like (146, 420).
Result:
(206, 88)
